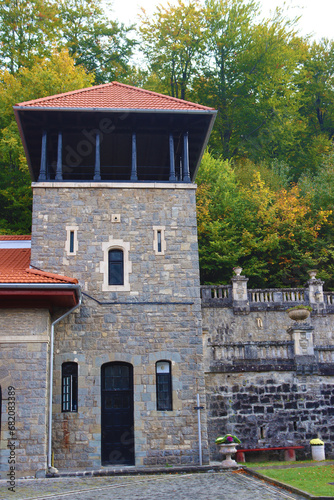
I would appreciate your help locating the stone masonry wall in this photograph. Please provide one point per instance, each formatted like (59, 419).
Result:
(24, 337)
(158, 318)
(259, 389)
(270, 409)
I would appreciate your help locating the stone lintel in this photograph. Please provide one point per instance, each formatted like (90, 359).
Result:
(113, 185)
(23, 339)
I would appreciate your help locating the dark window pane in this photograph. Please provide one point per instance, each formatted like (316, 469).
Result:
(69, 387)
(71, 241)
(164, 386)
(116, 267)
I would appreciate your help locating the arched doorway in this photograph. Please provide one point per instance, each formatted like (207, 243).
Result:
(117, 421)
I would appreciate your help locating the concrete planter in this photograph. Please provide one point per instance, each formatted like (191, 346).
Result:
(318, 452)
(228, 449)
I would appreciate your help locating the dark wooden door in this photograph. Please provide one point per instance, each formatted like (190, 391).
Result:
(117, 445)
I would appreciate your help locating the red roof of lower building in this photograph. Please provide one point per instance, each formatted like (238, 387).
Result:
(114, 95)
(14, 237)
(24, 287)
(15, 262)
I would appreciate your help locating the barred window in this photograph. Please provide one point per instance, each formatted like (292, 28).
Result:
(69, 387)
(164, 385)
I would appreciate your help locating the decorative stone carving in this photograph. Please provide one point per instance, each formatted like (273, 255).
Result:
(303, 340)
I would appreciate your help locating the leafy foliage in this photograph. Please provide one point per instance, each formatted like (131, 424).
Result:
(272, 235)
(265, 196)
(173, 42)
(55, 75)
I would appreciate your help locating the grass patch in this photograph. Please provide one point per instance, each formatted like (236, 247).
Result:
(314, 480)
(255, 465)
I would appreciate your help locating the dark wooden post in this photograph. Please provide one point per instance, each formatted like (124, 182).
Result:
(97, 172)
(186, 172)
(42, 171)
(172, 177)
(59, 171)
(134, 176)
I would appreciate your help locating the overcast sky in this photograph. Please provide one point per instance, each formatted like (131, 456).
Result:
(317, 15)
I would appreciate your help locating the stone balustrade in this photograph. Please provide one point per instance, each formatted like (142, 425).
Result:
(223, 293)
(243, 300)
(277, 295)
(324, 354)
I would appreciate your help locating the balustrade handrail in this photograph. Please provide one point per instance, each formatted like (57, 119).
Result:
(219, 292)
(277, 290)
(260, 343)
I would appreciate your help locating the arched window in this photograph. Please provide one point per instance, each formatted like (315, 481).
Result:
(69, 395)
(116, 267)
(163, 372)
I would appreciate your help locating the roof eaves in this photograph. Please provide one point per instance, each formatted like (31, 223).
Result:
(119, 110)
(25, 146)
(51, 275)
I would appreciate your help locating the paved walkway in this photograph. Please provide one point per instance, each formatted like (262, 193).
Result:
(184, 486)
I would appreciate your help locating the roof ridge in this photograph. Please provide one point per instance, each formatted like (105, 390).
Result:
(138, 90)
(52, 275)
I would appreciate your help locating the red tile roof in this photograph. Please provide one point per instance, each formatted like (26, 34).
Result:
(14, 268)
(10, 237)
(114, 95)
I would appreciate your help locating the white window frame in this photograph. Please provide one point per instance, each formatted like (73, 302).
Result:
(104, 265)
(156, 230)
(69, 230)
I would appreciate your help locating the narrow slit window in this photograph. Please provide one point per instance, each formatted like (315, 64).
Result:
(69, 387)
(164, 385)
(116, 267)
(159, 241)
(71, 241)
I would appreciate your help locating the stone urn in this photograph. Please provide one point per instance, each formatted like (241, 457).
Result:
(228, 449)
(237, 270)
(299, 314)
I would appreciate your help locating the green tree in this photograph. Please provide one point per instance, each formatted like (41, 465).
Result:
(173, 43)
(27, 30)
(102, 46)
(55, 75)
(249, 78)
(271, 231)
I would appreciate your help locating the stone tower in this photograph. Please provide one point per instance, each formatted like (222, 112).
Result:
(114, 207)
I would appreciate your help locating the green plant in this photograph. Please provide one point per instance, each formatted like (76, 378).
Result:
(300, 306)
(227, 439)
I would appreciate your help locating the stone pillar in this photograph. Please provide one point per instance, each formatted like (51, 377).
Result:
(316, 293)
(302, 336)
(239, 293)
